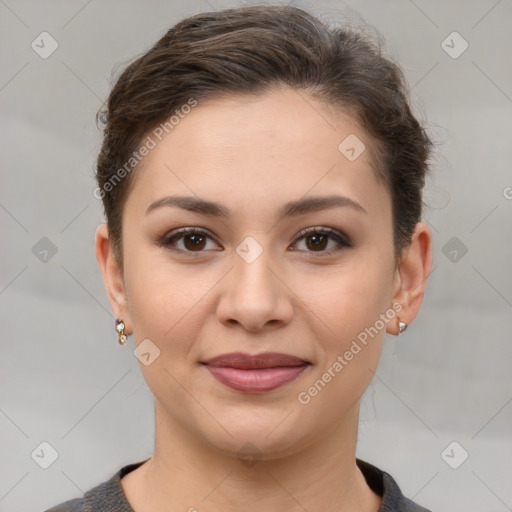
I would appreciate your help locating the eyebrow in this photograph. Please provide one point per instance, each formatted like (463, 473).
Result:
(290, 209)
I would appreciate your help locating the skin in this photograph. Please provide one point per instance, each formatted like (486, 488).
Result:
(252, 155)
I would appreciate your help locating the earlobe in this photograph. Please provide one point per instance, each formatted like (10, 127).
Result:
(412, 274)
(112, 275)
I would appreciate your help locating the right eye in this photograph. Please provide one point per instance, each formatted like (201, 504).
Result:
(187, 240)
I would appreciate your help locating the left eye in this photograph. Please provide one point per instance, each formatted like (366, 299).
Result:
(316, 240)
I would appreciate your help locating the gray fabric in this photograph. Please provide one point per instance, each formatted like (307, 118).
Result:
(109, 496)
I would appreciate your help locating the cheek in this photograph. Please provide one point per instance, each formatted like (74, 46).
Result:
(157, 295)
(168, 302)
(349, 299)
(351, 347)
(161, 303)
(165, 307)
(349, 303)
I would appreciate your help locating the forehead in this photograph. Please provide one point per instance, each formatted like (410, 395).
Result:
(269, 148)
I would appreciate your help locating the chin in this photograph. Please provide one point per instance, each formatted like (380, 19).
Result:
(258, 433)
(256, 446)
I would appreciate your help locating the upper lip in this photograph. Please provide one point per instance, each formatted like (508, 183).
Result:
(258, 361)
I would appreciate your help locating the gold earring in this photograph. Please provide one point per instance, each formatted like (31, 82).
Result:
(121, 336)
(402, 326)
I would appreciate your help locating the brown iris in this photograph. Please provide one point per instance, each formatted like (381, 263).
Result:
(319, 241)
(197, 241)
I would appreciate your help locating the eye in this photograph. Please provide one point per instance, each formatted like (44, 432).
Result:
(187, 240)
(316, 240)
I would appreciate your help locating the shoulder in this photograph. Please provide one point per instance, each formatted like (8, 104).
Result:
(385, 486)
(108, 495)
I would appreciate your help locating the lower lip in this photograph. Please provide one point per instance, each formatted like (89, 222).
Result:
(256, 381)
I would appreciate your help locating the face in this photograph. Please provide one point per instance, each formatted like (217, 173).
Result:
(263, 270)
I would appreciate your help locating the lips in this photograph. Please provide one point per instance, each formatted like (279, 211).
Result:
(258, 373)
(247, 362)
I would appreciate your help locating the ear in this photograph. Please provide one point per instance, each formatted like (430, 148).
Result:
(112, 276)
(411, 275)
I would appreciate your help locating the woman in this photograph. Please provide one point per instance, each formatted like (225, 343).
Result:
(261, 176)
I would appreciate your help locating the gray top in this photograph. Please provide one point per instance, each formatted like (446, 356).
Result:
(109, 496)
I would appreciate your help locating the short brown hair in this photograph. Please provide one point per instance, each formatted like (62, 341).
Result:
(248, 50)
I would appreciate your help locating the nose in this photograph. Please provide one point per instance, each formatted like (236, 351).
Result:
(254, 295)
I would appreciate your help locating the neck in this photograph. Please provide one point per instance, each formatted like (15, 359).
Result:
(187, 474)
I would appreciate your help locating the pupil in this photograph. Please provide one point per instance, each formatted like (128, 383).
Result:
(318, 241)
(194, 241)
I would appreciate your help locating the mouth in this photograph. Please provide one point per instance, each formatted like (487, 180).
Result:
(258, 373)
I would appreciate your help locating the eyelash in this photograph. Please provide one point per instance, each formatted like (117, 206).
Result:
(341, 239)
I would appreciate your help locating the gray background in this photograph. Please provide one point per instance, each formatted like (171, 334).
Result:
(66, 381)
